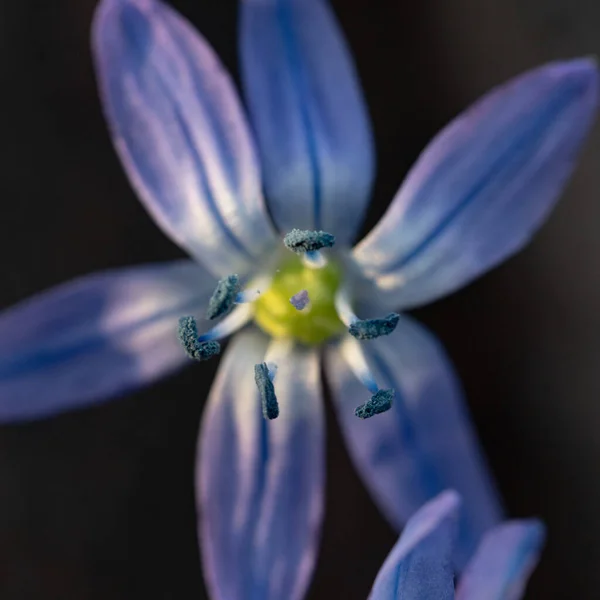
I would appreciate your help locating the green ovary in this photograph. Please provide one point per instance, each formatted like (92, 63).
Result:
(313, 325)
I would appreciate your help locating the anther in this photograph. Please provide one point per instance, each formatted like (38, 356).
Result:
(301, 242)
(379, 403)
(370, 329)
(367, 329)
(300, 300)
(224, 297)
(263, 376)
(187, 333)
(381, 400)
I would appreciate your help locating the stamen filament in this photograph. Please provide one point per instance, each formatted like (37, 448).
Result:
(314, 259)
(344, 308)
(278, 348)
(235, 320)
(355, 357)
(272, 370)
(247, 296)
(227, 294)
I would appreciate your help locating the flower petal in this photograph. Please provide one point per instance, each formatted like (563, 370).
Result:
(425, 443)
(503, 562)
(312, 126)
(483, 186)
(260, 485)
(179, 129)
(95, 337)
(419, 567)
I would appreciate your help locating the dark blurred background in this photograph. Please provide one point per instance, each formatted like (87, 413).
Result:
(98, 504)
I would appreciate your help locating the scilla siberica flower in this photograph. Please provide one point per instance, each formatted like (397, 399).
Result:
(474, 197)
(419, 567)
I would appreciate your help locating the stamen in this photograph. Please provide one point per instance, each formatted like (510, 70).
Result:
(367, 329)
(314, 259)
(370, 329)
(300, 300)
(352, 352)
(263, 376)
(247, 296)
(235, 320)
(194, 347)
(379, 403)
(381, 400)
(272, 370)
(344, 308)
(205, 346)
(223, 298)
(300, 242)
(227, 294)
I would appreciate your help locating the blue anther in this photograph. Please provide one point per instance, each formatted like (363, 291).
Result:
(270, 406)
(299, 241)
(370, 329)
(300, 300)
(378, 403)
(187, 333)
(224, 297)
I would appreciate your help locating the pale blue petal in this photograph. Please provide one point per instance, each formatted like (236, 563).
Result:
(180, 132)
(98, 336)
(419, 567)
(483, 186)
(260, 483)
(311, 122)
(503, 562)
(425, 443)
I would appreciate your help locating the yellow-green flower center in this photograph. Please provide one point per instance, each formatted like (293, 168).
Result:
(274, 313)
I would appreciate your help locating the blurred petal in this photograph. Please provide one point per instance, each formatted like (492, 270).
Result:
(312, 126)
(419, 567)
(425, 443)
(503, 562)
(179, 129)
(260, 485)
(98, 336)
(483, 186)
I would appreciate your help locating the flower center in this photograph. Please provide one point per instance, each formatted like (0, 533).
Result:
(318, 320)
(306, 302)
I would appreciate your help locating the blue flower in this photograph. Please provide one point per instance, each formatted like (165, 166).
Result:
(419, 567)
(474, 197)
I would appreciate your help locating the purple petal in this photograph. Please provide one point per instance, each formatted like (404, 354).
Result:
(425, 443)
(419, 567)
(260, 485)
(483, 186)
(312, 126)
(179, 129)
(95, 337)
(503, 562)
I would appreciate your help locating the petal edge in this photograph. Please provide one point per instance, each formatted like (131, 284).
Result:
(310, 118)
(483, 186)
(260, 483)
(179, 129)
(95, 337)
